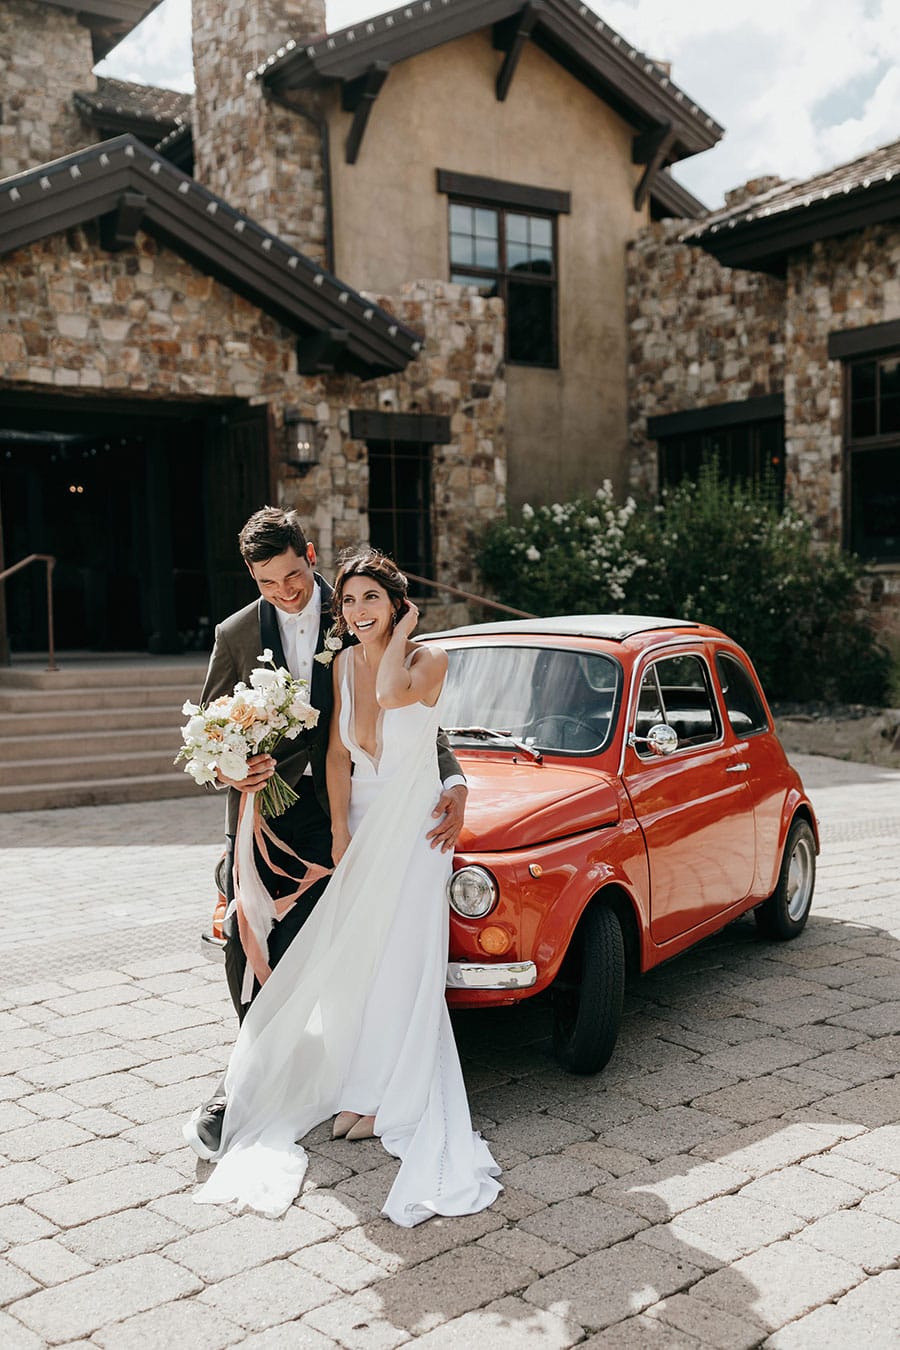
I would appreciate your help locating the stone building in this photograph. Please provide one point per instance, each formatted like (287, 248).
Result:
(378, 274)
(768, 333)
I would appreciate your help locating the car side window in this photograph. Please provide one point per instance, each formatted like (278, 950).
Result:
(742, 703)
(676, 690)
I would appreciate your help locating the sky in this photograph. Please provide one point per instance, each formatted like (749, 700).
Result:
(799, 85)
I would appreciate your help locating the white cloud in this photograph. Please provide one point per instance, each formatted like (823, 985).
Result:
(798, 84)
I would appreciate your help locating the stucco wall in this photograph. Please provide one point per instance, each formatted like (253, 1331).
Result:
(45, 54)
(566, 429)
(698, 334)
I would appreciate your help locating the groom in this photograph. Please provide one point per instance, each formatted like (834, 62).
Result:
(293, 618)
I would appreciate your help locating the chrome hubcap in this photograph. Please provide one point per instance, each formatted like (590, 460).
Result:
(800, 879)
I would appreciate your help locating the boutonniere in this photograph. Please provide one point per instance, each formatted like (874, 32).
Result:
(333, 643)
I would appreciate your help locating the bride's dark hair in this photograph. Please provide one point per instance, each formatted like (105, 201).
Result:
(367, 562)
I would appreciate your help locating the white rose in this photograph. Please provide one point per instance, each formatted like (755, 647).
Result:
(195, 729)
(233, 765)
(334, 643)
(263, 679)
(189, 708)
(201, 773)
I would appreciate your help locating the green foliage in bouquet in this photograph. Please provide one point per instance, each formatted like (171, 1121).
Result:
(715, 551)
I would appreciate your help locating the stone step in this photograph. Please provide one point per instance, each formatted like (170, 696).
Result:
(105, 675)
(29, 748)
(89, 768)
(90, 722)
(82, 698)
(105, 792)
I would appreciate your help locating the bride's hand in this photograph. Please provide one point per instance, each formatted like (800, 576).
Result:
(406, 623)
(340, 842)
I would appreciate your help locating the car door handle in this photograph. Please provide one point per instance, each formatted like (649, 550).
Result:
(737, 768)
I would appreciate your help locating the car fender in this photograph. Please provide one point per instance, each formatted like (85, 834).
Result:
(795, 803)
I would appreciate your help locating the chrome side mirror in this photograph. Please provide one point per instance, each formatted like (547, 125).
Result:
(661, 739)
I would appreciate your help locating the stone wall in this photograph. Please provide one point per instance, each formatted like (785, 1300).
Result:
(45, 54)
(144, 322)
(699, 334)
(262, 158)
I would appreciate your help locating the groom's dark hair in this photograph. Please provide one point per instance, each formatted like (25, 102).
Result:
(269, 532)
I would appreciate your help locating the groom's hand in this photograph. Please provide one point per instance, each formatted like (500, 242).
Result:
(451, 808)
(259, 770)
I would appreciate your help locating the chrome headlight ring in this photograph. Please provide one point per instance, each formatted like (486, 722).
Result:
(472, 892)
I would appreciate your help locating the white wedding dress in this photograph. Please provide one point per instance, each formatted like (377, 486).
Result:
(353, 1017)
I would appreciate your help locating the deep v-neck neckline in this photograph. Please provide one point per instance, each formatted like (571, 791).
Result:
(374, 760)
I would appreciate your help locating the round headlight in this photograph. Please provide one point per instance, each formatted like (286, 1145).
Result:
(472, 892)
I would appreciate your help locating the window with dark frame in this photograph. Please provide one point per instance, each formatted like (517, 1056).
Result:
(400, 503)
(511, 252)
(872, 457)
(748, 451)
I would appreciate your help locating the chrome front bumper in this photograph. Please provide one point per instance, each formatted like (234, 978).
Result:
(460, 974)
(496, 975)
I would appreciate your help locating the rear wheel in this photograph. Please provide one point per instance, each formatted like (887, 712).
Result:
(784, 914)
(588, 992)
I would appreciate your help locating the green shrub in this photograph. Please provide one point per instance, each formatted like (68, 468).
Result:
(718, 552)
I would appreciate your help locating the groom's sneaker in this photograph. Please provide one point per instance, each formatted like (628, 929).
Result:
(204, 1129)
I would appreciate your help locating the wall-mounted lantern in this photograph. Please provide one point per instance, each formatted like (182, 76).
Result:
(302, 441)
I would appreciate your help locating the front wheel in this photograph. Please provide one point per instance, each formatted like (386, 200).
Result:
(784, 914)
(588, 992)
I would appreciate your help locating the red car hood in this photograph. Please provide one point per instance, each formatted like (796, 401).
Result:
(515, 805)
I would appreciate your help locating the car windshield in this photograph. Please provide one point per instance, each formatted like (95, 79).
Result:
(561, 701)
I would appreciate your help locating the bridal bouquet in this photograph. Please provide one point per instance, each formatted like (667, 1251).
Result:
(251, 721)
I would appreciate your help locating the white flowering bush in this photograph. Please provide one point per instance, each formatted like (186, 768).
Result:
(720, 552)
(580, 556)
(253, 720)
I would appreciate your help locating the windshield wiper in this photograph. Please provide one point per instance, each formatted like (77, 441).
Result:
(492, 734)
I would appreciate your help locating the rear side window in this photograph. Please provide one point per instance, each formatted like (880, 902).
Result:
(742, 703)
(676, 690)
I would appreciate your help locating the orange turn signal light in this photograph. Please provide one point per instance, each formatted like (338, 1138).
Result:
(535, 869)
(495, 941)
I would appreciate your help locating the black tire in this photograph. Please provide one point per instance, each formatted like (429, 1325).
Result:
(588, 992)
(783, 916)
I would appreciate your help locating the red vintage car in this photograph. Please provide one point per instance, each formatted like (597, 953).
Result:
(628, 797)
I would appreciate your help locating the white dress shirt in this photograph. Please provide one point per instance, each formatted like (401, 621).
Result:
(299, 638)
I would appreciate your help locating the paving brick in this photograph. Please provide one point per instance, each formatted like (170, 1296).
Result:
(556, 1178)
(103, 997)
(13, 1088)
(750, 1059)
(880, 1020)
(95, 979)
(129, 1233)
(710, 1325)
(247, 1241)
(615, 1161)
(720, 1231)
(176, 1068)
(394, 1248)
(666, 1188)
(13, 1116)
(506, 1324)
(610, 1285)
(81, 1306)
(355, 1322)
(97, 1120)
(19, 1225)
(21, 1180)
(39, 1139)
(537, 1133)
(14, 1282)
(873, 1104)
(146, 1106)
(48, 1262)
(93, 1157)
(172, 1326)
(660, 1134)
(49, 1105)
(184, 1210)
(880, 1148)
(801, 1191)
(869, 1315)
(267, 1295)
(13, 1336)
(124, 1187)
(757, 1099)
(678, 1085)
(583, 1224)
(886, 1203)
(873, 1241)
(76, 1068)
(765, 1147)
(524, 1248)
(289, 1336)
(780, 1283)
(863, 1175)
(340, 1266)
(23, 994)
(642, 1333)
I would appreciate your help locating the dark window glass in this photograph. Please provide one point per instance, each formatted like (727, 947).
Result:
(873, 458)
(742, 703)
(681, 686)
(400, 503)
(750, 451)
(510, 254)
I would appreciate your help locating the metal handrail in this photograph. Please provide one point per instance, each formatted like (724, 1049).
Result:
(49, 559)
(467, 595)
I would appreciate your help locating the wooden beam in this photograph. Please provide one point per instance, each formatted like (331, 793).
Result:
(358, 96)
(656, 149)
(320, 353)
(119, 227)
(510, 37)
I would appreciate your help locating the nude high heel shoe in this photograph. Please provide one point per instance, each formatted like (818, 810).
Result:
(363, 1129)
(344, 1122)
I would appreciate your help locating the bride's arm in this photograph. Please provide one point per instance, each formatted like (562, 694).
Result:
(397, 685)
(337, 773)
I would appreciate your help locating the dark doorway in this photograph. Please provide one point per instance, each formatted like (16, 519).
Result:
(141, 505)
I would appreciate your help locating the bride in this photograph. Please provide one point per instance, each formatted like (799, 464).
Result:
(352, 1021)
